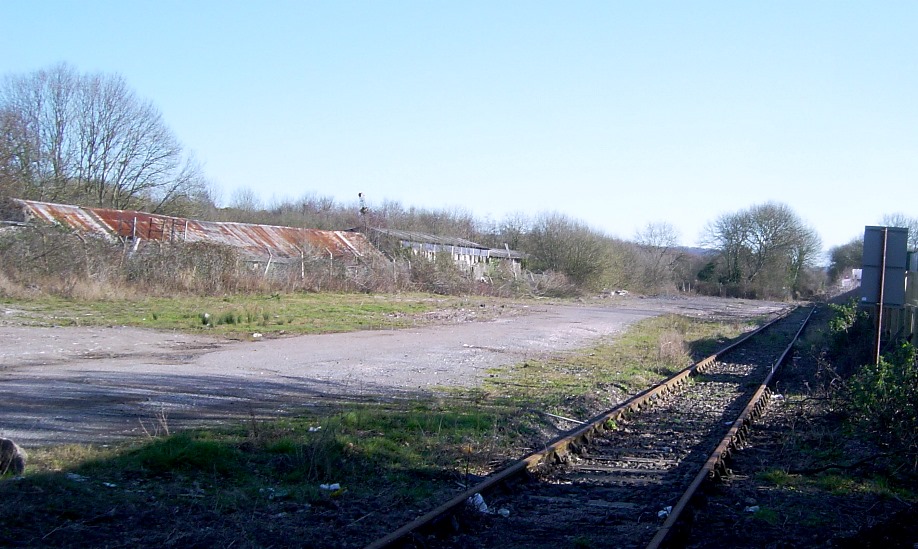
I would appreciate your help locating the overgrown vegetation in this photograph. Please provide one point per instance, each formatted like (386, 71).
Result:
(884, 401)
(832, 461)
(880, 396)
(50, 261)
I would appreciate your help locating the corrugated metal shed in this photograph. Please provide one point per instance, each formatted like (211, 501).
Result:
(431, 242)
(506, 254)
(423, 238)
(260, 241)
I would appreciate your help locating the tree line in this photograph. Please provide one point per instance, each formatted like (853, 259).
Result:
(89, 139)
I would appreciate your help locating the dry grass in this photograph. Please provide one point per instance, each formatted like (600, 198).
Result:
(672, 349)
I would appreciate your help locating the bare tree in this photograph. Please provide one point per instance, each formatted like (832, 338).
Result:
(512, 231)
(802, 254)
(36, 122)
(657, 244)
(902, 220)
(764, 250)
(246, 199)
(89, 138)
(728, 234)
(13, 160)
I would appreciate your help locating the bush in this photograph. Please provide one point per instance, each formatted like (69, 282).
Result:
(57, 261)
(197, 267)
(439, 276)
(554, 284)
(850, 335)
(884, 400)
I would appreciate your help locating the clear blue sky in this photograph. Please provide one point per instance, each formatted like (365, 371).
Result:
(613, 113)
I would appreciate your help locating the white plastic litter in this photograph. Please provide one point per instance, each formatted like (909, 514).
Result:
(503, 512)
(277, 494)
(664, 512)
(477, 503)
(330, 487)
(752, 509)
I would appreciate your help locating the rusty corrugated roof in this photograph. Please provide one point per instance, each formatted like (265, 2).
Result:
(256, 240)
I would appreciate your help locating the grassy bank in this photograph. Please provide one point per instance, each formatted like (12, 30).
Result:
(241, 315)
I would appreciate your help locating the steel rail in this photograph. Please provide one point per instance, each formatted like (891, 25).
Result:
(572, 440)
(738, 430)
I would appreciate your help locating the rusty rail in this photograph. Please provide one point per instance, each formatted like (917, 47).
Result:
(738, 430)
(571, 441)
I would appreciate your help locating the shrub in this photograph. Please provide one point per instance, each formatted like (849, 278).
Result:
(850, 337)
(884, 399)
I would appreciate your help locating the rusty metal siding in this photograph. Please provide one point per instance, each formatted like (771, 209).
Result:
(261, 241)
(69, 216)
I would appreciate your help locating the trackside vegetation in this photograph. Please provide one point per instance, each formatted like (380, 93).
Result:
(833, 461)
(881, 398)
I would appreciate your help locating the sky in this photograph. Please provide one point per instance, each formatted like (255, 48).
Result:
(616, 114)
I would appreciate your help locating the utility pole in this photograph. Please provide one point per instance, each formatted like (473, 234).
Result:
(363, 213)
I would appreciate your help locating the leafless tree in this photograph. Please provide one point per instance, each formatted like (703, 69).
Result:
(728, 234)
(246, 200)
(657, 244)
(764, 250)
(89, 138)
(510, 232)
(902, 220)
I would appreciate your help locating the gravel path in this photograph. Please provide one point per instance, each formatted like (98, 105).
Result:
(98, 384)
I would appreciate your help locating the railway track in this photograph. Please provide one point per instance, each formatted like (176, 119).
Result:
(624, 478)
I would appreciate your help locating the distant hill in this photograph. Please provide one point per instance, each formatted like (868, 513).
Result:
(700, 252)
